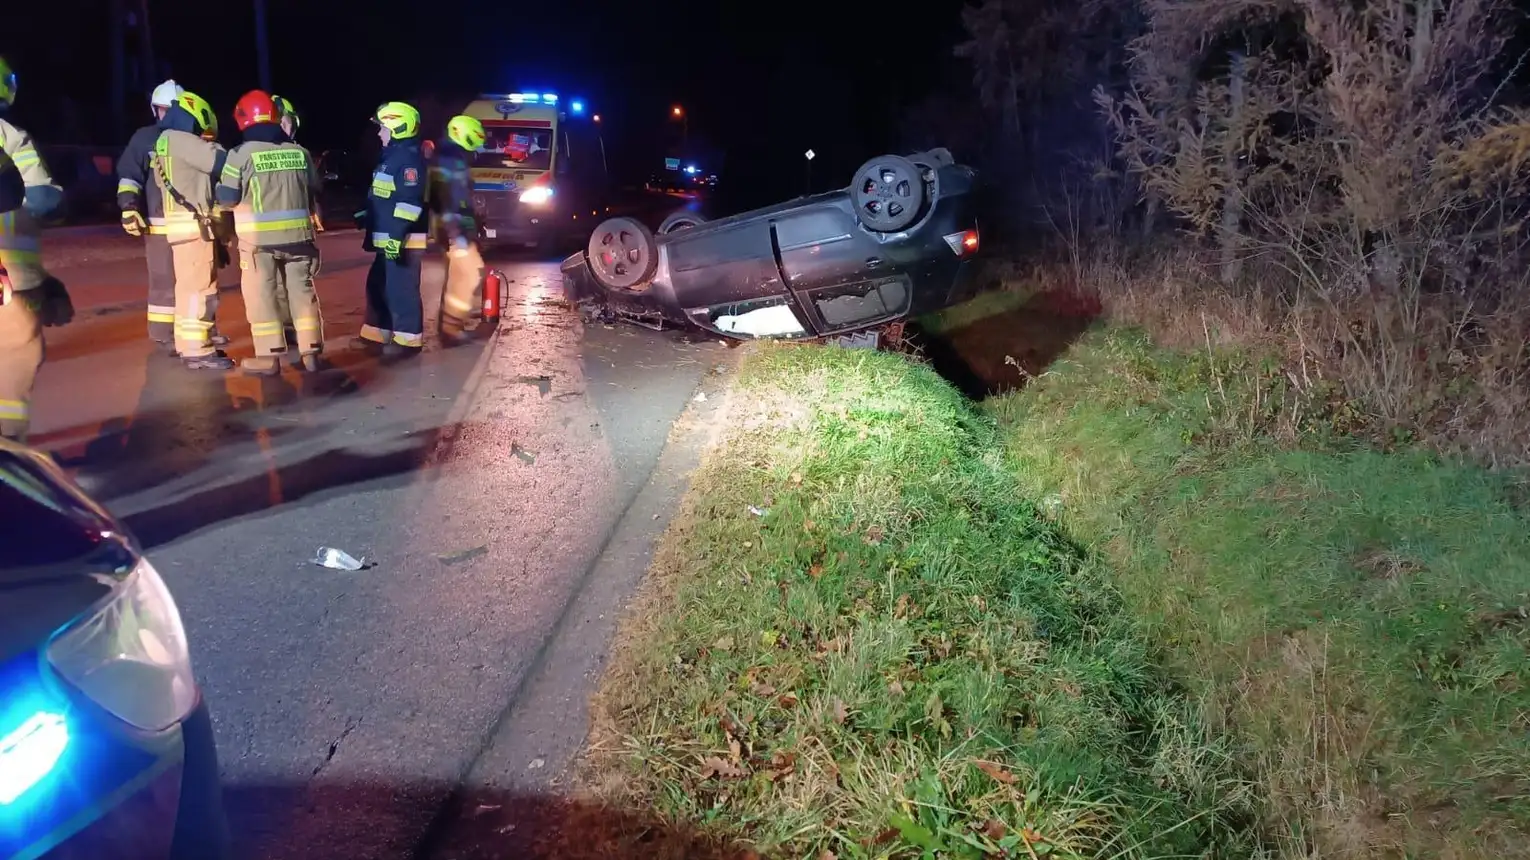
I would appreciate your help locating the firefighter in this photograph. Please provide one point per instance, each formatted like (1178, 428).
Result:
(394, 224)
(143, 214)
(290, 121)
(268, 180)
(462, 296)
(185, 167)
(32, 298)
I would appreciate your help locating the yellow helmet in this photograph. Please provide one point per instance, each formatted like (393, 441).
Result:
(284, 108)
(7, 82)
(466, 132)
(400, 119)
(201, 112)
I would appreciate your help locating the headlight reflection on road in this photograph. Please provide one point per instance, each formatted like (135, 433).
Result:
(131, 657)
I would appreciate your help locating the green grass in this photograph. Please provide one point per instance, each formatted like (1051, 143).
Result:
(1355, 621)
(903, 656)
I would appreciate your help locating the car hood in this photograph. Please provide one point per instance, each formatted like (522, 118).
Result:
(62, 555)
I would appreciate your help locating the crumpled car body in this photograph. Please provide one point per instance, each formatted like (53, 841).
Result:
(901, 240)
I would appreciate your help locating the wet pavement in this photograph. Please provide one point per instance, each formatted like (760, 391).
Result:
(480, 483)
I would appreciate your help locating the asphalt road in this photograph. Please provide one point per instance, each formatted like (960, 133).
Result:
(480, 484)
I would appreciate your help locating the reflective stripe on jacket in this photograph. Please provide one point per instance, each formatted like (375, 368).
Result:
(191, 164)
(272, 187)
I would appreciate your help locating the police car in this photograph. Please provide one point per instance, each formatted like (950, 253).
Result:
(106, 747)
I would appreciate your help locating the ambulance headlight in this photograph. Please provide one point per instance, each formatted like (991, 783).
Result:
(537, 196)
(131, 657)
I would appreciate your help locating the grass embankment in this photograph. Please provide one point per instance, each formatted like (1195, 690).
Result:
(1356, 620)
(901, 657)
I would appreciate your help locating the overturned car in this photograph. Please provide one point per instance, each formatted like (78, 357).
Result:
(899, 241)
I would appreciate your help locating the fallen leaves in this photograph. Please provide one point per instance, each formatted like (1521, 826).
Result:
(721, 768)
(840, 712)
(996, 772)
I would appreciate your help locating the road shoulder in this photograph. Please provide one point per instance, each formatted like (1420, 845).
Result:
(531, 750)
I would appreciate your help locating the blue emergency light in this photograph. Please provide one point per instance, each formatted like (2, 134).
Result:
(532, 98)
(691, 169)
(576, 106)
(29, 753)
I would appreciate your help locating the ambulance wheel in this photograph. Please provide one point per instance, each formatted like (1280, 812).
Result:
(682, 220)
(623, 254)
(889, 193)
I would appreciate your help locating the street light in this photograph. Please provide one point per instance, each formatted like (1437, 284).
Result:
(685, 127)
(596, 117)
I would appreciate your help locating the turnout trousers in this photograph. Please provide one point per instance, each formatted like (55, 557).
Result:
(21, 341)
(277, 284)
(394, 311)
(196, 291)
(462, 291)
(161, 261)
(21, 354)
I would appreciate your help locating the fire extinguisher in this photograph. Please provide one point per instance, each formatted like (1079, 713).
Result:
(495, 296)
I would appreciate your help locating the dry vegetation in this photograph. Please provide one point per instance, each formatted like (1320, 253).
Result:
(1343, 185)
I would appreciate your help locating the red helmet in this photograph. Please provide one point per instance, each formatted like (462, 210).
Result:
(255, 106)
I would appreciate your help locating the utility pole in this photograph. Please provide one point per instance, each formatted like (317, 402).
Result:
(146, 46)
(262, 46)
(119, 67)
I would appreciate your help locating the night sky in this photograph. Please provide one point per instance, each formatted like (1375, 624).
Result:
(760, 83)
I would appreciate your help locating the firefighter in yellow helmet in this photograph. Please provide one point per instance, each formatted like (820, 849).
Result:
(395, 228)
(462, 294)
(30, 298)
(186, 166)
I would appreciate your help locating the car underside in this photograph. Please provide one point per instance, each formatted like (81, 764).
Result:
(899, 241)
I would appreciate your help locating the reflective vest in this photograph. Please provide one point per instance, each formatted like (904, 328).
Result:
(275, 182)
(190, 165)
(19, 232)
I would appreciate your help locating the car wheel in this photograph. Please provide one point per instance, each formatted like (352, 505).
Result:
(681, 220)
(889, 193)
(623, 253)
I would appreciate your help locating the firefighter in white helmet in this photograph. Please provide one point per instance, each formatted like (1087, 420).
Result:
(32, 298)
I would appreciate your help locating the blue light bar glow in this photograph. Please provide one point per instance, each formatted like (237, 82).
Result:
(515, 98)
(30, 753)
(549, 98)
(577, 106)
(528, 97)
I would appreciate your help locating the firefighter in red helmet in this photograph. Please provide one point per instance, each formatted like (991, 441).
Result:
(268, 180)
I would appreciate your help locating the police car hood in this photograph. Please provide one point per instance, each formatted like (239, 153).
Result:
(54, 572)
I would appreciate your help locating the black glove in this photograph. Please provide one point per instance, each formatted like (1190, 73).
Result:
(221, 256)
(54, 307)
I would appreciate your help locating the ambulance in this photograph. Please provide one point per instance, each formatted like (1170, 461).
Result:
(535, 174)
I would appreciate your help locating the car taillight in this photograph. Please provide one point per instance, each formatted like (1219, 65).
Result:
(963, 244)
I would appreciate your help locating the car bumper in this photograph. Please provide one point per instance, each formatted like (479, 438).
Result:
(130, 798)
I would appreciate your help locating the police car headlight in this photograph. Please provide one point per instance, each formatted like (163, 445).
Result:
(131, 657)
(537, 196)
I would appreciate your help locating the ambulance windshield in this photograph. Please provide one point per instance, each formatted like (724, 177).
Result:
(515, 147)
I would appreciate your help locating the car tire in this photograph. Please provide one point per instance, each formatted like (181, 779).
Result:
(682, 220)
(889, 194)
(623, 254)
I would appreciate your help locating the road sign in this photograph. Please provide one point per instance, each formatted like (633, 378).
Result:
(671, 164)
(810, 155)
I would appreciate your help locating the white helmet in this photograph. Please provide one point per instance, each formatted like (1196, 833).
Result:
(165, 94)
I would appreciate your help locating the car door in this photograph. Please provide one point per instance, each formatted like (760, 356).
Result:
(842, 278)
(725, 278)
